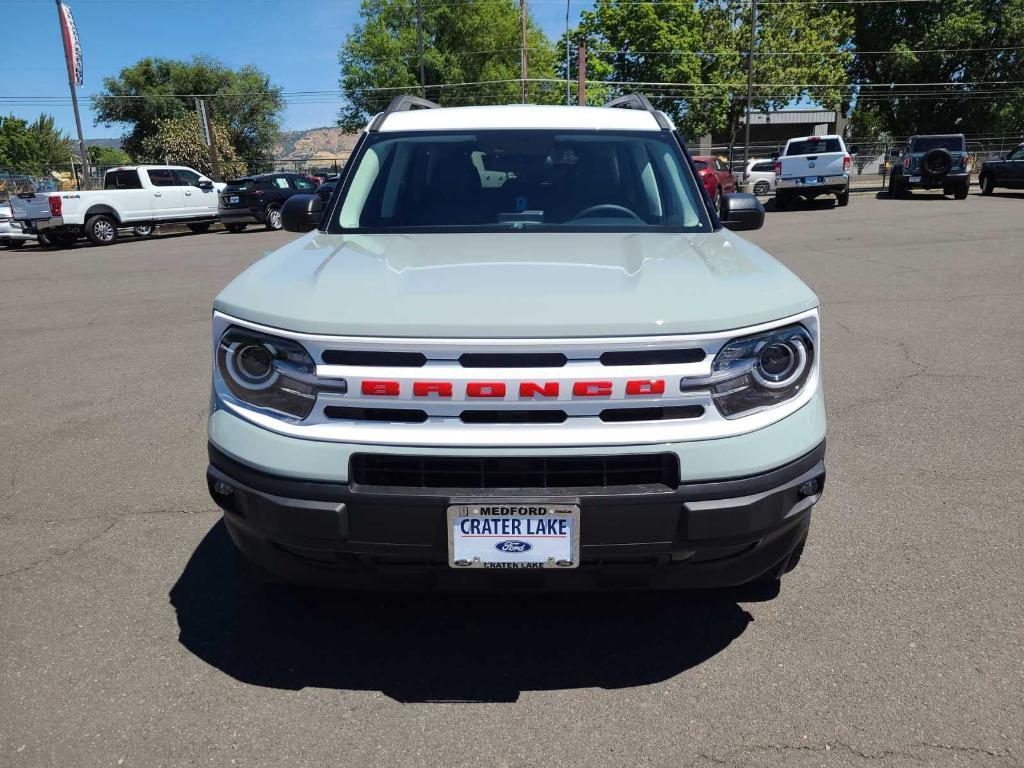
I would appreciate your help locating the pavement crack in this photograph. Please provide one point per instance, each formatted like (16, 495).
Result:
(64, 552)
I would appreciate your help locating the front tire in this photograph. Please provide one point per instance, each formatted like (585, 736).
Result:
(987, 187)
(101, 230)
(960, 192)
(274, 219)
(843, 198)
(234, 229)
(762, 188)
(200, 229)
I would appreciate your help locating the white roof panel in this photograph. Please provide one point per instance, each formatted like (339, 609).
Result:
(520, 116)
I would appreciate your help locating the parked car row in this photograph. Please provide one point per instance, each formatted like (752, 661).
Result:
(142, 197)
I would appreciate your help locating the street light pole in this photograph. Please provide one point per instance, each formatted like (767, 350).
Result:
(522, 49)
(750, 80)
(419, 40)
(66, 33)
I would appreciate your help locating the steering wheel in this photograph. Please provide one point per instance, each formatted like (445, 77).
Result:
(609, 207)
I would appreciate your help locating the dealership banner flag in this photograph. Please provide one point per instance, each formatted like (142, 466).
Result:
(72, 47)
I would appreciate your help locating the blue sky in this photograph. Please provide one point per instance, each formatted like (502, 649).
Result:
(294, 41)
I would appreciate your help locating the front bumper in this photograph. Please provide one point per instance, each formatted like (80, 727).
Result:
(702, 534)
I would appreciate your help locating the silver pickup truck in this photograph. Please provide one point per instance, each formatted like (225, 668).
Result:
(518, 348)
(132, 196)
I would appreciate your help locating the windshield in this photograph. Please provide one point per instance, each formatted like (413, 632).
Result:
(812, 146)
(535, 180)
(928, 143)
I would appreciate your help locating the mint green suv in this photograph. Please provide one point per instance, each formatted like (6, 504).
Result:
(518, 349)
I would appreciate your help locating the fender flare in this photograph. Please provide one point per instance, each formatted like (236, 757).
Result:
(95, 210)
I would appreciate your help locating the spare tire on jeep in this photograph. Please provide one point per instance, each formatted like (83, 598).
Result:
(936, 162)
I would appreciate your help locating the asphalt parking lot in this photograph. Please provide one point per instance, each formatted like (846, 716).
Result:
(127, 636)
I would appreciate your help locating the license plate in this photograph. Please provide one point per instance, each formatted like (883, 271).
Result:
(505, 535)
(914, 179)
(810, 179)
(233, 200)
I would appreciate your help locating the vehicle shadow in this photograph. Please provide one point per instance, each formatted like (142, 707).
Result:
(818, 203)
(443, 647)
(921, 194)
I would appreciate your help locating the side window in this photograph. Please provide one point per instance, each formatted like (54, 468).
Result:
(186, 178)
(122, 180)
(1018, 154)
(764, 168)
(161, 177)
(281, 182)
(302, 182)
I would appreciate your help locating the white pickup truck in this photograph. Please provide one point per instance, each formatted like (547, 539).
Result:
(140, 196)
(810, 166)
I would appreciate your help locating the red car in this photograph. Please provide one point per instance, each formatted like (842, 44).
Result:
(718, 179)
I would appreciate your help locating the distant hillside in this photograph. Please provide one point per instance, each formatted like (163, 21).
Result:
(112, 143)
(315, 144)
(323, 144)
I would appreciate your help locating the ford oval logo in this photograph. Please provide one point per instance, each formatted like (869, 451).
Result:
(511, 545)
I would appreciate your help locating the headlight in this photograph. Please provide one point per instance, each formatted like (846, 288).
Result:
(268, 372)
(759, 371)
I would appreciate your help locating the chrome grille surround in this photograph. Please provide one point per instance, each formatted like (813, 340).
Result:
(583, 427)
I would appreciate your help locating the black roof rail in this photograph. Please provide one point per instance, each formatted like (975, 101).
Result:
(404, 103)
(639, 101)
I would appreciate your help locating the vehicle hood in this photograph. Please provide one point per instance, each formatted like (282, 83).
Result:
(515, 285)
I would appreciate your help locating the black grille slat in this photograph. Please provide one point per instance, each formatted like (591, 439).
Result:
(652, 414)
(513, 417)
(379, 359)
(517, 472)
(401, 415)
(512, 360)
(653, 357)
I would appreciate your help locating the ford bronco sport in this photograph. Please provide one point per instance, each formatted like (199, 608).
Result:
(518, 348)
(932, 162)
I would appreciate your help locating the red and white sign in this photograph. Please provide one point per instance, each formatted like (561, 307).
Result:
(72, 46)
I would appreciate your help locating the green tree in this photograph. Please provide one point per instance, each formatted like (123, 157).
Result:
(464, 41)
(242, 100)
(105, 157)
(971, 47)
(35, 147)
(691, 58)
(178, 141)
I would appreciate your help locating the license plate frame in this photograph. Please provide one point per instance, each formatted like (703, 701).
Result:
(915, 179)
(811, 180)
(479, 550)
(234, 200)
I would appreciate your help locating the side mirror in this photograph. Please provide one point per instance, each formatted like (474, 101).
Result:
(301, 213)
(853, 149)
(741, 211)
(205, 184)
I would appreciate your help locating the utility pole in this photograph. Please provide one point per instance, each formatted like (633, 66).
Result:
(750, 80)
(568, 92)
(73, 58)
(581, 73)
(419, 39)
(522, 49)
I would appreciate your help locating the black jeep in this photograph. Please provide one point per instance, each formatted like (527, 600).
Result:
(932, 162)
